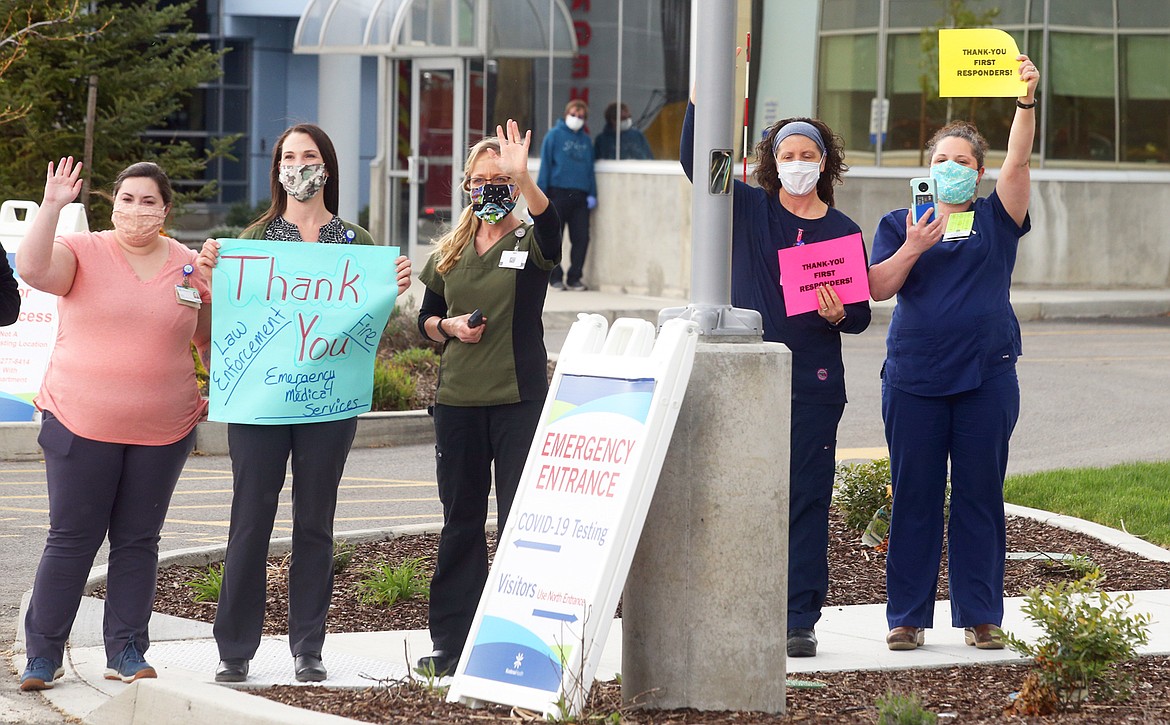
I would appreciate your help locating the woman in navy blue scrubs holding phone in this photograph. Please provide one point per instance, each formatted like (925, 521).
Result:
(949, 386)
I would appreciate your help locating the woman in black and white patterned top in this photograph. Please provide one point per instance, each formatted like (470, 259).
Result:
(304, 209)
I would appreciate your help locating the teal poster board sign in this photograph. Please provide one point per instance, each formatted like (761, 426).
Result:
(295, 328)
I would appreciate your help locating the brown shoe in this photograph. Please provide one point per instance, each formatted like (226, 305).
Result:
(905, 638)
(984, 636)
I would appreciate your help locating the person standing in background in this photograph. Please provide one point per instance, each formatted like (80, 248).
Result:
(566, 177)
(634, 145)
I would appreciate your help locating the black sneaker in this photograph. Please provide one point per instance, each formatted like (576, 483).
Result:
(440, 663)
(556, 284)
(802, 642)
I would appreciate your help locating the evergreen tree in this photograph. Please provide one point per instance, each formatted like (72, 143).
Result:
(146, 61)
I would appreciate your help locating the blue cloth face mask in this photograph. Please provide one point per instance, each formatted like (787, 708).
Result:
(955, 182)
(493, 202)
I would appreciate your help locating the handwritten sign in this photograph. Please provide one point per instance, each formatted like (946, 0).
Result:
(294, 329)
(978, 63)
(839, 263)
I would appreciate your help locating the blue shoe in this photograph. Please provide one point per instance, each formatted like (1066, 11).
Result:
(129, 665)
(39, 674)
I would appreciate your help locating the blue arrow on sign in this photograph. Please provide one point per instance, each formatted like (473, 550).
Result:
(554, 615)
(524, 544)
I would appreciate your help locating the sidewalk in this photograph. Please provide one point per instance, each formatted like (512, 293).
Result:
(185, 655)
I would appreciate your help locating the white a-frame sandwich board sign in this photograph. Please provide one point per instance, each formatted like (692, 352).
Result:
(562, 560)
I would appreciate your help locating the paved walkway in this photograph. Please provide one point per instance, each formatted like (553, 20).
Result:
(183, 652)
(851, 637)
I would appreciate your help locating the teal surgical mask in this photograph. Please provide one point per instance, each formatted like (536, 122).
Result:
(955, 183)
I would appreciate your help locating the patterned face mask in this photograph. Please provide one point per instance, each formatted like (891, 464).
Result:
(137, 223)
(302, 181)
(955, 182)
(493, 202)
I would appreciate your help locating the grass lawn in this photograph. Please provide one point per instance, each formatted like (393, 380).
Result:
(1133, 497)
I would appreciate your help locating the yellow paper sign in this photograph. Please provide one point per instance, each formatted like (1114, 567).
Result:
(978, 63)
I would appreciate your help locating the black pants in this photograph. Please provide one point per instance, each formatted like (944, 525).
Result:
(573, 208)
(260, 454)
(467, 441)
(94, 488)
(810, 490)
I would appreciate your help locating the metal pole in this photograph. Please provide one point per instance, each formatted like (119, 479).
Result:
(713, 179)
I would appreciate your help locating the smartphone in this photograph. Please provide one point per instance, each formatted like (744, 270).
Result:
(476, 318)
(922, 198)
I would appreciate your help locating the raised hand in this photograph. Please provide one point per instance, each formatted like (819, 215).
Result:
(1029, 74)
(513, 159)
(63, 183)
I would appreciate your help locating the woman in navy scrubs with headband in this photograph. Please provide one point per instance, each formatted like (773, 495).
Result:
(798, 163)
(949, 386)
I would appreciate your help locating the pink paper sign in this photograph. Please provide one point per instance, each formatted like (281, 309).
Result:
(839, 263)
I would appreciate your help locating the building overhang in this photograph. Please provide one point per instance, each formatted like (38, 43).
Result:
(403, 29)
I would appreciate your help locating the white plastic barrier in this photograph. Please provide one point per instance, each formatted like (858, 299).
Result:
(25, 346)
(563, 557)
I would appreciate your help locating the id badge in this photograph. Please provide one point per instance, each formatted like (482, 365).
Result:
(188, 296)
(513, 259)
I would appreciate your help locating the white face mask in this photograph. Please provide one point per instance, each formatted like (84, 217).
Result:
(799, 177)
(627, 123)
(575, 123)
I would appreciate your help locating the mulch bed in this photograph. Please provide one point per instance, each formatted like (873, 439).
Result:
(974, 694)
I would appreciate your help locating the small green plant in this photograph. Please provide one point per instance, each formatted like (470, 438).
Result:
(386, 584)
(342, 555)
(1085, 633)
(207, 584)
(1078, 565)
(897, 709)
(862, 489)
(393, 386)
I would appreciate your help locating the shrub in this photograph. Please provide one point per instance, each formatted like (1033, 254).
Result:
(862, 489)
(1085, 633)
(384, 585)
(896, 709)
(393, 386)
(207, 584)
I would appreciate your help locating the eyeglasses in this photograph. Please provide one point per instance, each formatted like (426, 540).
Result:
(477, 182)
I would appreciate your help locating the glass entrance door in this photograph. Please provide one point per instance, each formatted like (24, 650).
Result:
(433, 169)
(438, 114)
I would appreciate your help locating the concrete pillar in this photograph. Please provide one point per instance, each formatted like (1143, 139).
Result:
(339, 103)
(705, 605)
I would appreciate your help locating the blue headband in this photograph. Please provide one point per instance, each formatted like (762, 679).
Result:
(798, 128)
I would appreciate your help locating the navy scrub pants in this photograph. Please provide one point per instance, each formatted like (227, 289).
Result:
(260, 454)
(972, 428)
(810, 491)
(467, 441)
(97, 488)
(573, 208)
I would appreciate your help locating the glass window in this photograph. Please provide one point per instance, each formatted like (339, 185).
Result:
(915, 108)
(1143, 14)
(848, 14)
(1081, 97)
(847, 86)
(1081, 13)
(1145, 103)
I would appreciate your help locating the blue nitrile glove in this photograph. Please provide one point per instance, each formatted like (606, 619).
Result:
(591, 202)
